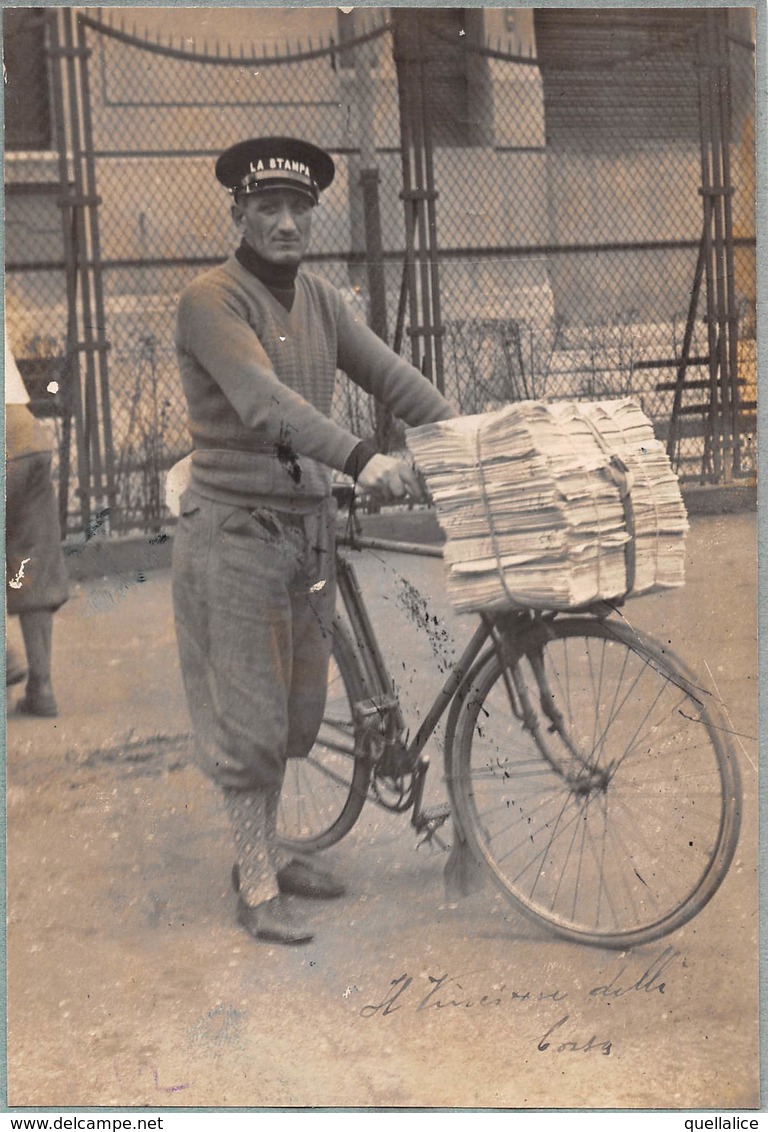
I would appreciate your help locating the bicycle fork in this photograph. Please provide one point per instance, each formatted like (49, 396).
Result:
(587, 778)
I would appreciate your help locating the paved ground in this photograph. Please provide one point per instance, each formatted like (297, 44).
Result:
(130, 985)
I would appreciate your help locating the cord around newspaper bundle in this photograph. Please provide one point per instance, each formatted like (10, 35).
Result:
(622, 477)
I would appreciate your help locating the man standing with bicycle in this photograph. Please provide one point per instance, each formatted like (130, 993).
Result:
(259, 343)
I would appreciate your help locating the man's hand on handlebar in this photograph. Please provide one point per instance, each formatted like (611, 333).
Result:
(390, 480)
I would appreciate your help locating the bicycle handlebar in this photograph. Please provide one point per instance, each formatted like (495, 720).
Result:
(349, 496)
(363, 542)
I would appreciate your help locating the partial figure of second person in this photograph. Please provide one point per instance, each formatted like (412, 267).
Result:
(259, 343)
(36, 579)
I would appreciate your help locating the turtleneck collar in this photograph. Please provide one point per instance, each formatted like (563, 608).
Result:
(280, 279)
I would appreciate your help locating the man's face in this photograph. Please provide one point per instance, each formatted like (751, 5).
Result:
(276, 223)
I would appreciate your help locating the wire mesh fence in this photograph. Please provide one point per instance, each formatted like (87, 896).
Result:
(569, 217)
(585, 220)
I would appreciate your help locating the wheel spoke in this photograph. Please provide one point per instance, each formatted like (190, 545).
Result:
(323, 793)
(534, 768)
(625, 842)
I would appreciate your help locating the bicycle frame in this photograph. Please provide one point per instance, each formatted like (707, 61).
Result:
(568, 705)
(382, 715)
(383, 708)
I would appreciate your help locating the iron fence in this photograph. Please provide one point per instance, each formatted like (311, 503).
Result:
(560, 239)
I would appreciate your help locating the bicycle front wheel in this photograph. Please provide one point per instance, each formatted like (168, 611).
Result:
(323, 794)
(595, 781)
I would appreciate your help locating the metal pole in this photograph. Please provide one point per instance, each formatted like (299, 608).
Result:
(712, 439)
(369, 181)
(397, 344)
(403, 61)
(377, 287)
(730, 281)
(93, 482)
(715, 96)
(435, 318)
(374, 244)
(418, 192)
(72, 397)
(417, 102)
(686, 348)
(102, 345)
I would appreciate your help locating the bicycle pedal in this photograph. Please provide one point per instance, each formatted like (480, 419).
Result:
(434, 818)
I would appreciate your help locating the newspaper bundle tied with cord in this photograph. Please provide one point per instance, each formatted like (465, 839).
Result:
(553, 505)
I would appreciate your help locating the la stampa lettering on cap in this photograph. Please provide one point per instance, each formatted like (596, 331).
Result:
(272, 162)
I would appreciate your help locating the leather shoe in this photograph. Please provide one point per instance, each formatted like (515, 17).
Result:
(15, 671)
(41, 704)
(299, 878)
(272, 920)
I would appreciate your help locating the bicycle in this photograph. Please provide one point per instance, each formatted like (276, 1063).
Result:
(584, 766)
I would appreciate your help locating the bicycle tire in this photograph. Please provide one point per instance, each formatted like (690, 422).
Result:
(323, 794)
(622, 837)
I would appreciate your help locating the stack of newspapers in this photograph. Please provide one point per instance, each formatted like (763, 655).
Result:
(553, 505)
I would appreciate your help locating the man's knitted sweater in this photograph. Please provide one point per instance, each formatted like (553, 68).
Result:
(259, 382)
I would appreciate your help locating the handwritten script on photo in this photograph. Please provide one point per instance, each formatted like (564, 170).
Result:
(467, 992)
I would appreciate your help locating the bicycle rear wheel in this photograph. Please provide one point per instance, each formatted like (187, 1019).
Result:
(323, 794)
(600, 792)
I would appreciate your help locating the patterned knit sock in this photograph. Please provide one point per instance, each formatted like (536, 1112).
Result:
(249, 814)
(278, 856)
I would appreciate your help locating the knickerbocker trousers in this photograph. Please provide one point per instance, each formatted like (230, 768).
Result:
(254, 599)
